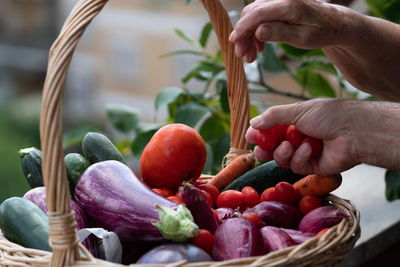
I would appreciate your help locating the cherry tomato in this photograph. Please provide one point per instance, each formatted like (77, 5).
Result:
(252, 217)
(287, 193)
(212, 190)
(159, 191)
(204, 241)
(280, 131)
(266, 139)
(231, 199)
(294, 136)
(269, 194)
(251, 197)
(309, 203)
(316, 146)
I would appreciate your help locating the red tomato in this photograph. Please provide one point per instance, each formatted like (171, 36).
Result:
(251, 197)
(204, 241)
(269, 194)
(266, 139)
(294, 136)
(309, 203)
(212, 190)
(316, 146)
(160, 192)
(208, 198)
(252, 217)
(280, 131)
(231, 199)
(175, 153)
(287, 193)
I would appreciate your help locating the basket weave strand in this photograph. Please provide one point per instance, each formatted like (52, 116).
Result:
(318, 251)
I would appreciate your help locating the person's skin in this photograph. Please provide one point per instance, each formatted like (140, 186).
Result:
(365, 49)
(352, 131)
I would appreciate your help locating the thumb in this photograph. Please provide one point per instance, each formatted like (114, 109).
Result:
(281, 114)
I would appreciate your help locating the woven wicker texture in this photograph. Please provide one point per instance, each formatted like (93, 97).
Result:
(322, 251)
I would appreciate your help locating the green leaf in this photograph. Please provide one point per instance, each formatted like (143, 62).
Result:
(392, 180)
(386, 9)
(199, 70)
(188, 2)
(190, 114)
(141, 140)
(318, 65)
(167, 96)
(295, 52)
(314, 83)
(268, 59)
(210, 159)
(74, 136)
(254, 111)
(212, 129)
(124, 118)
(182, 52)
(205, 34)
(187, 38)
(222, 89)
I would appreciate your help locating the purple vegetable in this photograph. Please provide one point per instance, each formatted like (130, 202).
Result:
(169, 253)
(237, 238)
(37, 195)
(277, 213)
(298, 236)
(196, 202)
(275, 238)
(118, 201)
(320, 218)
(225, 213)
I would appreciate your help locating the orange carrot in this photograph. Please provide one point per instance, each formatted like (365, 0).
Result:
(316, 185)
(233, 170)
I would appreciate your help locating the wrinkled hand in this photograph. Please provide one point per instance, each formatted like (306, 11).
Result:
(306, 24)
(335, 121)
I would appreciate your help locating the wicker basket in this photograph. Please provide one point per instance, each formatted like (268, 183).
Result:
(325, 250)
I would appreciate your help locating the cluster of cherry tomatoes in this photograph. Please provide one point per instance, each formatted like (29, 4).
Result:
(269, 139)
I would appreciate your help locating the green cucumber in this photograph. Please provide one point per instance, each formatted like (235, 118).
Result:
(263, 176)
(97, 147)
(31, 162)
(75, 164)
(24, 223)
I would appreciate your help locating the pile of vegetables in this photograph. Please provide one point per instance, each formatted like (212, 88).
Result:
(169, 212)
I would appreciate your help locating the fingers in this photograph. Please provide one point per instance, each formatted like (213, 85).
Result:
(297, 35)
(282, 114)
(262, 155)
(251, 135)
(283, 153)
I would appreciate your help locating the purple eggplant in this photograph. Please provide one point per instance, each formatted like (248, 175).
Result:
(37, 195)
(170, 253)
(275, 238)
(118, 201)
(277, 213)
(320, 218)
(196, 202)
(298, 236)
(237, 238)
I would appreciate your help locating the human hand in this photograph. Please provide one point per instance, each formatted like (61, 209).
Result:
(306, 24)
(334, 121)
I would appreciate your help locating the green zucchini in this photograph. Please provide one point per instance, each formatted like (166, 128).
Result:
(24, 223)
(263, 176)
(31, 162)
(75, 164)
(97, 147)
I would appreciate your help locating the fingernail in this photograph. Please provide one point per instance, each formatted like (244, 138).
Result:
(256, 121)
(305, 150)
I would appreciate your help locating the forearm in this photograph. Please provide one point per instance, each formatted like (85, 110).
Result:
(368, 55)
(378, 137)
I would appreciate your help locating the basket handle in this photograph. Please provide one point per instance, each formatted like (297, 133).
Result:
(62, 224)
